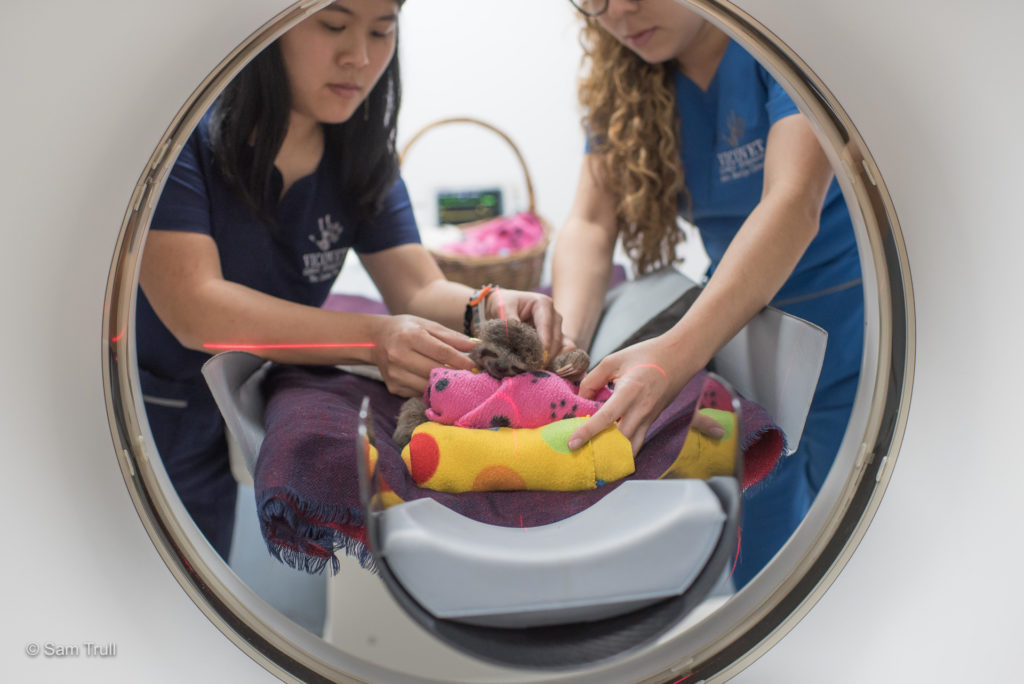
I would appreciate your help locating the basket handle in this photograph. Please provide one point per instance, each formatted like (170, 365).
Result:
(477, 122)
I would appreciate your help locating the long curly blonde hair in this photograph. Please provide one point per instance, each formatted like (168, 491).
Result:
(632, 121)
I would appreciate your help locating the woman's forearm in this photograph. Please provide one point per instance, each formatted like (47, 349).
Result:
(582, 261)
(767, 247)
(443, 301)
(182, 279)
(225, 315)
(581, 271)
(410, 282)
(755, 266)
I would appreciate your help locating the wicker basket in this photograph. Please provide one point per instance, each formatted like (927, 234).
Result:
(516, 271)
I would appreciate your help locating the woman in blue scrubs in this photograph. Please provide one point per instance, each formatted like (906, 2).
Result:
(680, 120)
(293, 167)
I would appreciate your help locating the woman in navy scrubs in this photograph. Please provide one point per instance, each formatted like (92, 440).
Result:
(293, 167)
(680, 120)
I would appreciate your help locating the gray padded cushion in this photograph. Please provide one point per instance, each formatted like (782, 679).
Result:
(234, 378)
(629, 307)
(645, 541)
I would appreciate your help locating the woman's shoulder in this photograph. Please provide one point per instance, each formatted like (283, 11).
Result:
(200, 137)
(737, 60)
(745, 74)
(197, 152)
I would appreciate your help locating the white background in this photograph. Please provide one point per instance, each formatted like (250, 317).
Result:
(512, 65)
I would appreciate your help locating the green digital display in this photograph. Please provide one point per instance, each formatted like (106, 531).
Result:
(466, 206)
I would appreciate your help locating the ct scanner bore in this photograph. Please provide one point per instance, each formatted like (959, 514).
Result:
(769, 605)
(978, 526)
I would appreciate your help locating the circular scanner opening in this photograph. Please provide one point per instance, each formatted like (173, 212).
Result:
(713, 648)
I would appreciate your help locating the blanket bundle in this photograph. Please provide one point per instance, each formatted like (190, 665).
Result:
(306, 481)
(490, 434)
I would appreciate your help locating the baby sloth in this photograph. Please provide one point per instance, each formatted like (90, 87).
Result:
(506, 348)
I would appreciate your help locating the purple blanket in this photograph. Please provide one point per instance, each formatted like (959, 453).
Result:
(306, 485)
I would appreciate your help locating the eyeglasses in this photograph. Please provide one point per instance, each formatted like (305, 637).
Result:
(592, 8)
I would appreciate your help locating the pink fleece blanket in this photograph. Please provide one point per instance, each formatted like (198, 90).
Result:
(500, 236)
(530, 400)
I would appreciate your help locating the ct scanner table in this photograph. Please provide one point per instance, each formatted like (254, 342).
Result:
(931, 90)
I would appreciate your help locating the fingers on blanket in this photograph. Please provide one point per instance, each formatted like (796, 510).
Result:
(593, 425)
(412, 414)
(707, 426)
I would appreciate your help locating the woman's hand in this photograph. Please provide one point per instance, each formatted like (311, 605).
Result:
(533, 307)
(646, 378)
(406, 348)
(642, 376)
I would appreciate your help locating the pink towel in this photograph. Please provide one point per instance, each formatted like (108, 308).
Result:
(528, 400)
(499, 237)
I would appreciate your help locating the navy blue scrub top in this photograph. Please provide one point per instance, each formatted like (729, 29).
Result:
(298, 261)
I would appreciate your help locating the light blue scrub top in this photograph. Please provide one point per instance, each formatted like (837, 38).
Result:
(723, 140)
(724, 134)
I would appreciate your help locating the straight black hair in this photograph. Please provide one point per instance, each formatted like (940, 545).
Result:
(250, 118)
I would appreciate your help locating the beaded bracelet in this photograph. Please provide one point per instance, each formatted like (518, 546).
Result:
(475, 308)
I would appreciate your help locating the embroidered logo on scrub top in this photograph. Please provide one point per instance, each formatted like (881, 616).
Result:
(741, 160)
(325, 264)
(735, 124)
(330, 231)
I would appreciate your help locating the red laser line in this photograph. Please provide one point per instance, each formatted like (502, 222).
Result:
(501, 310)
(739, 539)
(117, 338)
(651, 365)
(512, 405)
(287, 346)
(501, 305)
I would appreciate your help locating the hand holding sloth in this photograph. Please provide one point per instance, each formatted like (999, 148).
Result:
(506, 348)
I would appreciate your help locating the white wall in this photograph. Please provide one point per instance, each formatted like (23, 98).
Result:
(511, 64)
